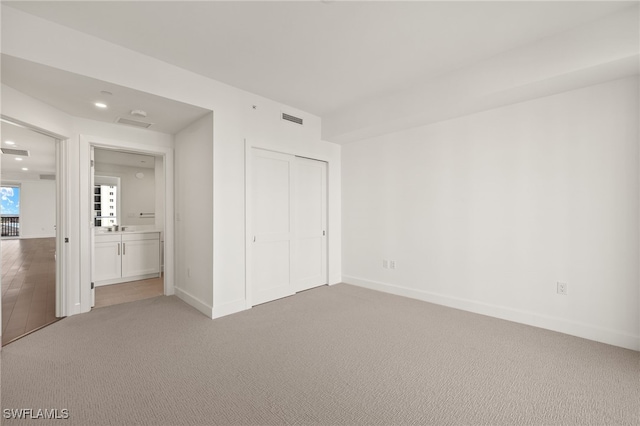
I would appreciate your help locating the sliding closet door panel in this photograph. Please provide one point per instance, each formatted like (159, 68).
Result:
(310, 221)
(271, 219)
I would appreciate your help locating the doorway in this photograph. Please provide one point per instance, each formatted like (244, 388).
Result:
(28, 206)
(128, 199)
(288, 213)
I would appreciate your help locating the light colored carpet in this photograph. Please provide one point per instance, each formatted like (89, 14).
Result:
(332, 355)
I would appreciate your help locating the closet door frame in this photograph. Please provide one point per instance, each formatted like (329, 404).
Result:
(249, 232)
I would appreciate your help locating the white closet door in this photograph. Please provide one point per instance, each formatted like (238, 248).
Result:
(310, 222)
(271, 223)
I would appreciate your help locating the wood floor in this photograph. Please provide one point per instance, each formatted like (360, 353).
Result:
(28, 286)
(115, 294)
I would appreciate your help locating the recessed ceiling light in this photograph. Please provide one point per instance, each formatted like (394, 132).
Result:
(9, 142)
(25, 169)
(18, 159)
(100, 105)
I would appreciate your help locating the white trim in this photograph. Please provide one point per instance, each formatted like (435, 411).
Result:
(26, 125)
(574, 328)
(62, 207)
(194, 301)
(248, 208)
(31, 236)
(248, 153)
(62, 225)
(126, 280)
(229, 308)
(86, 142)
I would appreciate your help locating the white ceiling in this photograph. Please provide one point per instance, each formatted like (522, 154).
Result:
(318, 56)
(76, 94)
(42, 150)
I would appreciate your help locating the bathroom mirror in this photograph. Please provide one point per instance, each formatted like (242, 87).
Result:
(125, 189)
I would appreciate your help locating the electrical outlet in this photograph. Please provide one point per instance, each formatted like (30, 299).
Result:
(392, 264)
(385, 264)
(562, 288)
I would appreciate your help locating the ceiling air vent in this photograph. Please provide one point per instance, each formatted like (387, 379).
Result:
(11, 151)
(134, 122)
(47, 177)
(291, 118)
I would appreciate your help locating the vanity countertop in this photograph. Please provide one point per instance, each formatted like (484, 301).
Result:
(134, 231)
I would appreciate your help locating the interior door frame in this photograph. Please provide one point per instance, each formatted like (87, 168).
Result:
(87, 143)
(248, 155)
(62, 220)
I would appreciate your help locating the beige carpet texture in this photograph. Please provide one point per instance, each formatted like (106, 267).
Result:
(339, 355)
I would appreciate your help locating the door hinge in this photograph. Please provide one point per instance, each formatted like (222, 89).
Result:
(66, 239)
(324, 233)
(92, 285)
(91, 163)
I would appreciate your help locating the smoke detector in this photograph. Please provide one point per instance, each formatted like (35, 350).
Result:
(138, 113)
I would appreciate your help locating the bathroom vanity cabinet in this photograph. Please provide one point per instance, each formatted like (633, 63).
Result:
(126, 256)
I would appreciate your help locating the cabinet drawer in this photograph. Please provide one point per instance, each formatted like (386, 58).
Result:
(140, 237)
(107, 238)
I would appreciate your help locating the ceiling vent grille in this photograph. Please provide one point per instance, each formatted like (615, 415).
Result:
(135, 123)
(47, 177)
(291, 118)
(11, 151)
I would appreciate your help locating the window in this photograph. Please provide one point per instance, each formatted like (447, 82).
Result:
(106, 200)
(10, 210)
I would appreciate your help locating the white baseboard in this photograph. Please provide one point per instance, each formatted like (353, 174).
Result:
(573, 328)
(29, 236)
(229, 308)
(194, 301)
(335, 279)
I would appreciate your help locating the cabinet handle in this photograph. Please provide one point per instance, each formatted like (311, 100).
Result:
(124, 246)
(118, 249)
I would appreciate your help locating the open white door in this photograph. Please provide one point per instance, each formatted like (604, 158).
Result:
(92, 228)
(310, 219)
(271, 217)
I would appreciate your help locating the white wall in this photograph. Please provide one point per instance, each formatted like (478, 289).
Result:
(24, 108)
(487, 212)
(77, 133)
(38, 209)
(595, 52)
(194, 214)
(136, 195)
(266, 131)
(110, 136)
(35, 39)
